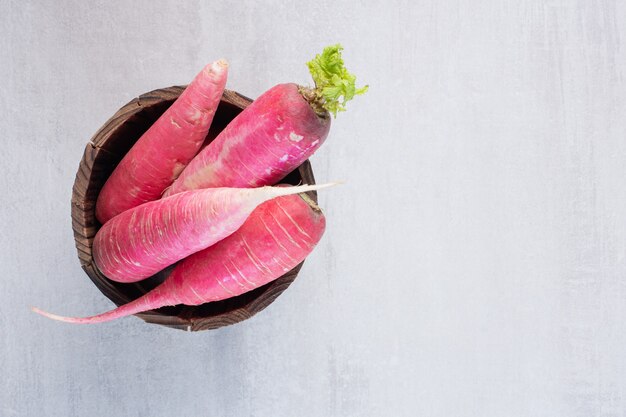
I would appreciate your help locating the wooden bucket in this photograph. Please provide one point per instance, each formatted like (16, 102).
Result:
(102, 154)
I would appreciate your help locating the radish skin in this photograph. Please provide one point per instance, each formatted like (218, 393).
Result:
(266, 141)
(277, 236)
(276, 133)
(161, 153)
(146, 239)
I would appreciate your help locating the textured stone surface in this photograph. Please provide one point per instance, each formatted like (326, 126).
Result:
(475, 260)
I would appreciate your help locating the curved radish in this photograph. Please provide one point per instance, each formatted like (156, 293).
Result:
(276, 133)
(266, 141)
(277, 236)
(161, 153)
(146, 239)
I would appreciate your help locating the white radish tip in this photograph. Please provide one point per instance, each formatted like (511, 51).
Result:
(322, 186)
(222, 62)
(314, 187)
(274, 191)
(51, 316)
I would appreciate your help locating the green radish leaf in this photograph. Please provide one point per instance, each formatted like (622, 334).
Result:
(334, 85)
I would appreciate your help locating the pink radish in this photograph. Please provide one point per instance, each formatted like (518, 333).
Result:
(277, 236)
(146, 239)
(276, 133)
(161, 153)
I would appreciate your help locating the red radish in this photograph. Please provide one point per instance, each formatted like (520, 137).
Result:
(161, 153)
(276, 133)
(146, 239)
(277, 236)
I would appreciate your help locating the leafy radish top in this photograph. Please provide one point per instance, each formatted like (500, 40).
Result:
(334, 85)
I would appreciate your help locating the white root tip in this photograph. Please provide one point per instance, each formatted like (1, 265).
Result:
(54, 316)
(282, 191)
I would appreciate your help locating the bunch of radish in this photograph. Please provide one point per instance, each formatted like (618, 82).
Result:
(215, 213)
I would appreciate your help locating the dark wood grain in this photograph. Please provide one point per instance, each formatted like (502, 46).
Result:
(103, 152)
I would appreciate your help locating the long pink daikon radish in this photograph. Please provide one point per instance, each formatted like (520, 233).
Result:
(162, 152)
(276, 237)
(146, 239)
(276, 133)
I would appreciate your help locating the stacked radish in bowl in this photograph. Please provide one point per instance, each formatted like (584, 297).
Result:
(212, 212)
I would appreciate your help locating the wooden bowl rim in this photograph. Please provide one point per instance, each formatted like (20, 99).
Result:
(84, 195)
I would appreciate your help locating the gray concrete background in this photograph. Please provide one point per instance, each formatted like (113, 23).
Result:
(474, 263)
